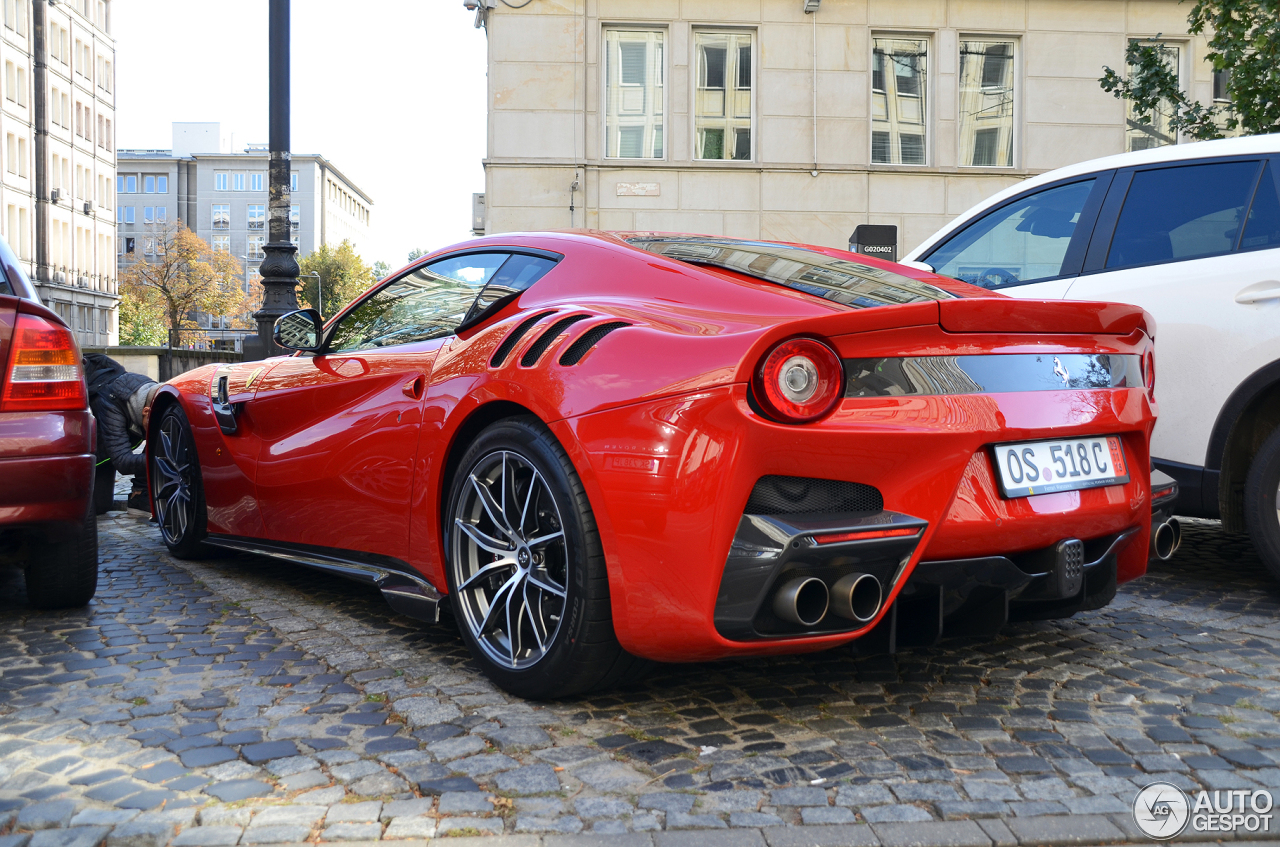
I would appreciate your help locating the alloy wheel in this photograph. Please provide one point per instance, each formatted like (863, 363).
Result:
(509, 560)
(174, 507)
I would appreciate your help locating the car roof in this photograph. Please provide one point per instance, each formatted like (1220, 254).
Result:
(1253, 145)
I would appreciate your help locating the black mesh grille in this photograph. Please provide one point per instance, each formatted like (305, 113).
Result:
(537, 348)
(589, 339)
(1074, 559)
(509, 343)
(788, 495)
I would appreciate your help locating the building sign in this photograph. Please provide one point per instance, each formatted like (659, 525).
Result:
(639, 189)
(879, 240)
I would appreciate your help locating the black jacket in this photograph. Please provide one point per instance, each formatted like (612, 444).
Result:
(110, 387)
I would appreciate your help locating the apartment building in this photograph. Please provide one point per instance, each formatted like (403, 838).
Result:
(57, 146)
(221, 195)
(801, 119)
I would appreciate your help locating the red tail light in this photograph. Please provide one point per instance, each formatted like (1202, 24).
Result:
(44, 369)
(799, 381)
(1149, 372)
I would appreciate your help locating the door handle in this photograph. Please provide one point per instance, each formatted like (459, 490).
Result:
(1266, 290)
(413, 388)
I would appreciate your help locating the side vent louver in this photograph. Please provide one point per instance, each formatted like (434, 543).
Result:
(509, 343)
(589, 339)
(537, 348)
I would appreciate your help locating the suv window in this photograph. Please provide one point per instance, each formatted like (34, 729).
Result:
(1262, 229)
(1182, 213)
(1023, 241)
(433, 301)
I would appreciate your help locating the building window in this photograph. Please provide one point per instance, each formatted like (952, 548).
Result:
(257, 216)
(1147, 131)
(986, 103)
(148, 214)
(293, 181)
(126, 185)
(220, 181)
(149, 246)
(255, 182)
(129, 246)
(256, 243)
(119, 214)
(294, 216)
(293, 239)
(162, 214)
(222, 244)
(635, 69)
(148, 185)
(722, 99)
(22, 157)
(128, 214)
(237, 182)
(221, 216)
(899, 106)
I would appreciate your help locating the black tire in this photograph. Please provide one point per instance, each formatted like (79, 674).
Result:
(1261, 512)
(65, 575)
(178, 494)
(104, 487)
(570, 653)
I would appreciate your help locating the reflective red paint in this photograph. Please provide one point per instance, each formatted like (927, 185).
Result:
(658, 422)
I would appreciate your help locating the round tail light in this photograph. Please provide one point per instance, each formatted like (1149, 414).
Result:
(1149, 372)
(799, 380)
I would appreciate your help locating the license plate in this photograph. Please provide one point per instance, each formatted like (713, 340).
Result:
(1041, 467)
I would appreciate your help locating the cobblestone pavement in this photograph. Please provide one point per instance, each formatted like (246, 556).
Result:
(244, 701)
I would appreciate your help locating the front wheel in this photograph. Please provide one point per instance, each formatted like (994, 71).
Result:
(1262, 503)
(178, 490)
(526, 569)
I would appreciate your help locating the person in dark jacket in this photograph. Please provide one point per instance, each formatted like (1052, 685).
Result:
(119, 401)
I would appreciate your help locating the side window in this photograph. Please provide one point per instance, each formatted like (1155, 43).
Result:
(1024, 241)
(430, 302)
(1262, 229)
(1182, 213)
(516, 274)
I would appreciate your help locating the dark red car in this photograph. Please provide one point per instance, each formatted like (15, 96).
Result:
(603, 447)
(47, 523)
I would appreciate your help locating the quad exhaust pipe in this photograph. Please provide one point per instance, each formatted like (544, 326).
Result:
(805, 601)
(1166, 536)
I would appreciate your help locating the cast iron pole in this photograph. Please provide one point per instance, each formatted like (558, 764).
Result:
(280, 267)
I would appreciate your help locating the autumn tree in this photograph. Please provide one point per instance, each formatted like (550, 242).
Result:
(176, 276)
(381, 269)
(342, 276)
(1244, 41)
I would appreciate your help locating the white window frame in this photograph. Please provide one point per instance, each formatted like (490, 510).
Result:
(930, 37)
(220, 181)
(1019, 91)
(755, 95)
(666, 90)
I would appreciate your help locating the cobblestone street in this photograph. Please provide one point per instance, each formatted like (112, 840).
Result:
(244, 701)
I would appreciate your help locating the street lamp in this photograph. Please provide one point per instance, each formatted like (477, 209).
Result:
(319, 292)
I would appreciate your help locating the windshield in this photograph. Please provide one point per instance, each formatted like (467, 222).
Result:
(851, 283)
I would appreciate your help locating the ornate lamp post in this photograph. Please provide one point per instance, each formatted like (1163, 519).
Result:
(280, 267)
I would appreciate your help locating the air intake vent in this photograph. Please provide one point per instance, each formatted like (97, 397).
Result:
(535, 351)
(589, 339)
(788, 495)
(509, 343)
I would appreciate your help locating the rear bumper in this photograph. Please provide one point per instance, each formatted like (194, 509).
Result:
(49, 493)
(669, 482)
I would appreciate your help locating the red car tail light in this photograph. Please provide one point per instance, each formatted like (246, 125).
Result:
(45, 374)
(1149, 372)
(799, 380)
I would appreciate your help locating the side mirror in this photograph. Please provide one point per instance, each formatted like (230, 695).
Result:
(300, 330)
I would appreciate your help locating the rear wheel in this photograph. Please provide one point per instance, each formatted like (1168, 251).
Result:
(526, 570)
(65, 575)
(179, 492)
(1262, 503)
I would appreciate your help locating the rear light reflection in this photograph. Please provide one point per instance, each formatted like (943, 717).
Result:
(44, 369)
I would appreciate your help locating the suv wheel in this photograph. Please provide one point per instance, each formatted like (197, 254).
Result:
(66, 575)
(1262, 503)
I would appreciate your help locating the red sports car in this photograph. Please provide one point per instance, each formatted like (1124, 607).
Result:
(607, 448)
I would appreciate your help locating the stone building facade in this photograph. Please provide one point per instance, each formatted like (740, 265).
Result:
(222, 196)
(57, 145)
(755, 118)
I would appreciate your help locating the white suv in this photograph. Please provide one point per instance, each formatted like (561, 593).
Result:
(1191, 233)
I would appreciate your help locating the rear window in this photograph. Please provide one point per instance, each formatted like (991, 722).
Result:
(851, 283)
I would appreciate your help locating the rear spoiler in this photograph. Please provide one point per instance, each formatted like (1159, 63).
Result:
(983, 314)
